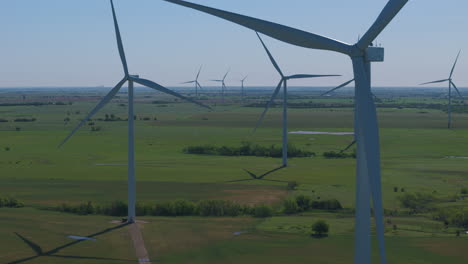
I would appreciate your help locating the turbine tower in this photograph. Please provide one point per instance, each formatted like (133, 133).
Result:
(197, 84)
(450, 83)
(242, 88)
(282, 83)
(131, 79)
(362, 54)
(223, 84)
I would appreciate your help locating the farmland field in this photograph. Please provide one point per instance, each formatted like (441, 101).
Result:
(419, 155)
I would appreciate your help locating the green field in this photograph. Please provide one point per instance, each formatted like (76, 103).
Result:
(418, 154)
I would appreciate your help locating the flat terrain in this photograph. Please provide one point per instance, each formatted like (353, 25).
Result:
(418, 154)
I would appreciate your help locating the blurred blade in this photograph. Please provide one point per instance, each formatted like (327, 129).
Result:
(198, 74)
(455, 64)
(273, 96)
(270, 56)
(216, 80)
(160, 88)
(456, 89)
(119, 40)
(439, 81)
(98, 107)
(340, 86)
(302, 76)
(199, 86)
(225, 75)
(245, 78)
(286, 34)
(386, 16)
(188, 82)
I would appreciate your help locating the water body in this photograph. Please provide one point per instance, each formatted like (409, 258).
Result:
(321, 133)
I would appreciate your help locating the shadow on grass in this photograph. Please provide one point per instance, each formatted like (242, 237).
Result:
(260, 177)
(52, 253)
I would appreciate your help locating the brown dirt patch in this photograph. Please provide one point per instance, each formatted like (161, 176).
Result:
(254, 197)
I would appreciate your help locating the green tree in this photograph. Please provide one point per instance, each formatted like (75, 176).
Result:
(320, 228)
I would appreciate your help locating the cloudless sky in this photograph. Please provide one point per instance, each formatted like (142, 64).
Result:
(72, 42)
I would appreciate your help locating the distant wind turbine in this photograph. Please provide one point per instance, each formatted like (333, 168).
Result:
(223, 84)
(131, 144)
(282, 83)
(197, 84)
(450, 83)
(242, 88)
(362, 54)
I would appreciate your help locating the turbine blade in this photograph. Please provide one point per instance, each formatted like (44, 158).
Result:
(368, 135)
(119, 40)
(386, 16)
(188, 82)
(160, 88)
(273, 96)
(225, 75)
(339, 87)
(439, 81)
(303, 76)
(35, 247)
(270, 56)
(245, 78)
(98, 107)
(455, 64)
(216, 80)
(283, 33)
(456, 89)
(199, 70)
(199, 86)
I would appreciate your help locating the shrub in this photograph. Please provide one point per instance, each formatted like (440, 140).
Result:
(418, 202)
(338, 155)
(7, 148)
(262, 211)
(464, 191)
(320, 228)
(395, 189)
(10, 202)
(292, 185)
(182, 208)
(331, 204)
(3, 120)
(25, 119)
(304, 202)
(247, 149)
(290, 206)
(219, 208)
(116, 208)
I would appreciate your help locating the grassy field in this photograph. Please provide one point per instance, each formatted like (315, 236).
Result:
(418, 154)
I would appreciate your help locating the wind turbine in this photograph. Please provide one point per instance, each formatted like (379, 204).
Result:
(450, 83)
(131, 144)
(223, 84)
(242, 89)
(197, 84)
(362, 54)
(282, 83)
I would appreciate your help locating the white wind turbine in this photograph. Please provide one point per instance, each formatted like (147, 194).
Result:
(131, 144)
(197, 84)
(282, 83)
(366, 128)
(223, 84)
(450, 83)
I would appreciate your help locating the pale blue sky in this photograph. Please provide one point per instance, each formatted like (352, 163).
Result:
(72, 43)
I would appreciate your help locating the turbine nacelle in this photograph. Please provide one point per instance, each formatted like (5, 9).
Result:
(375, 54)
